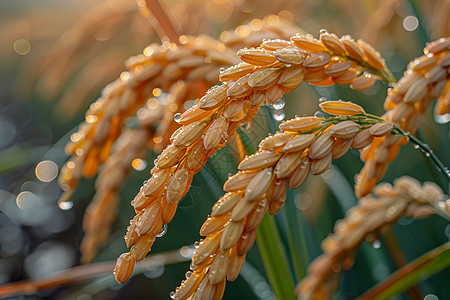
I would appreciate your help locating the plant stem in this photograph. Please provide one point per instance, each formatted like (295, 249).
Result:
(274, 259)
(165, 29)
(426, 149)
(429, 164)
(294, 250)
(424, 266)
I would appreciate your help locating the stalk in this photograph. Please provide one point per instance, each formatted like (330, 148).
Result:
(274, 258)
(164, 27)
(426, 149)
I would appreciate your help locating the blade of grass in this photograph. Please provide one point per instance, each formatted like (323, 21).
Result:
(274, 258)
(296, 241)
(424, 266)
(256, 282)
(15, 158)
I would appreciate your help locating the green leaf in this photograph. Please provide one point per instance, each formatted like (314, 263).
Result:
(14, 158)
(417, 270)
(274, 258)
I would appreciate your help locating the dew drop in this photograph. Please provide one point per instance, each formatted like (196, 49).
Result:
(323, 31)
(376, 244)
(416, 146)
(322, 99)
(188, 274)
(279, 104)
(177, 117)
(442, 203)
(278, 114)
(196, 244)
(172, 295)
(318, 114)
(162, 231)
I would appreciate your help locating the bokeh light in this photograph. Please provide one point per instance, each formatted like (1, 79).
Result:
(139, 164)
(156, 92)
(46, 171)
(410, 23)
(25, 199)
(22, 47)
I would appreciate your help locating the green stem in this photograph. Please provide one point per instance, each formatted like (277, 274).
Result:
(295, 240)
(424, 266)
(274, 259)
(301, 237)
(426, 149)
(429, 164)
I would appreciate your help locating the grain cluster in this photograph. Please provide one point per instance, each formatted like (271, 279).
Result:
(265, 74)
(189, 70)
(131, 146)
(373, 216)
(426, 79)
(306, 145)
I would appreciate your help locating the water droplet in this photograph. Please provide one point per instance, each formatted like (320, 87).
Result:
(323, 31)
(279, 104)
(196, 244)
(318, 114)
(416, 146)
(177, 117)
(376, 244)
(427, 154)
(322, 99)
(172, 295)
(442, 203)
(188, 274)
(162, 231)
(278, 114)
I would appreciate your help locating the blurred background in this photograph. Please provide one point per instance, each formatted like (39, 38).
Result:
(55, 58)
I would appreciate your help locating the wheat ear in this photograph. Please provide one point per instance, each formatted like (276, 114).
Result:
(158, 67)
(307, 145)
(370, 218)
(132, 144)
(97, 222)
(266, 74)
(426, 78)
(196, 61)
